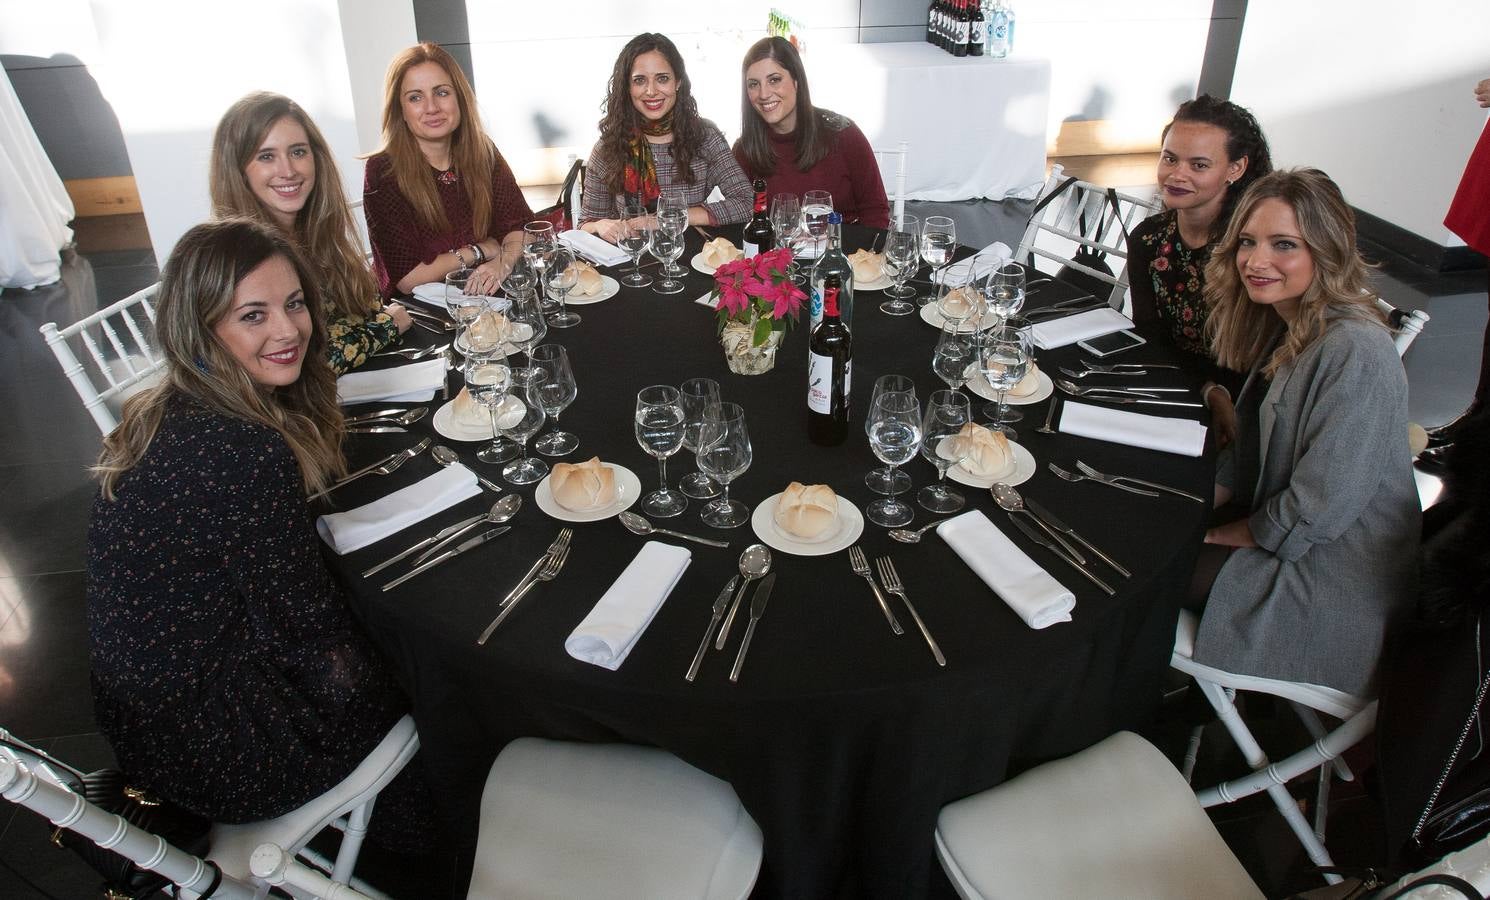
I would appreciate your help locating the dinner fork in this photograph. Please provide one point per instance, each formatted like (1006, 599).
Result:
(891, 578)
(860, 564)
(1153, 485)
(549, 572)
(1072, 476)
(560, 542)
(385, 466)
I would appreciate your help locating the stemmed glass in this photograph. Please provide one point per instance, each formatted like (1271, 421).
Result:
(1004, 359)
(489, 380)
(888, 479)
(521, 417)
(946, 413)
(667, 245)
(556, 389)
(560, 277)
(636, 233)
(659, 430)
(786, 216)
(956, 303)
(526, 325)
(954, 357)
(1003, 290)
(725, 454)
(894, 436)
(463, 307)
(700, 398)
(538, 247)
(901, 261)
(938, 243)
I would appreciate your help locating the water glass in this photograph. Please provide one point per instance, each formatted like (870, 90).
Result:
(1004, 357)
(636, 234)
(520, 417)
(816, 207)
(463, 307)
(556, 389)
(938, 244)
(489, 381)
(724, 453)
(954, 358)
(888, 479)
(902, 248)
(560, 278)
(538, 247)
(786, 218)
(668, 240)
(946, 413)
(659, 431)
(894, 436)
(526, 325)
(700, 398)
(1003, 290)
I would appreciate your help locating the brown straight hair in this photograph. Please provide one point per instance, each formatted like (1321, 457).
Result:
(815, 127)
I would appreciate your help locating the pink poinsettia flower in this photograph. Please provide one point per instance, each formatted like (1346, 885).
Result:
(788, 301)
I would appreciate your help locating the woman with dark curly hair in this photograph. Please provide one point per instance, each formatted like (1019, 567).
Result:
(652, 139)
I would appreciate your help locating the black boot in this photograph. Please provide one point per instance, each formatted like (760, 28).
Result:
(1444, 434)
(1434, 460)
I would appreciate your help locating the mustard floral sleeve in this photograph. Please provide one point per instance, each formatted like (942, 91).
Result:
(351, 340)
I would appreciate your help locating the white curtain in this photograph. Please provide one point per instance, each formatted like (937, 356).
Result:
(34, 206)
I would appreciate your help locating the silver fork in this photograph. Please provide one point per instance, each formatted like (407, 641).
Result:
(860, 564)
(560, 542)
(891, 578)
(387, 467)
(1152, 485)
(1072, 476)
(549, 572)
(1075, 374)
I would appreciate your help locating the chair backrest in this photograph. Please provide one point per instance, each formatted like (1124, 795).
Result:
(576, 196)
(1406, 324)
(359, 222)
(892, 172)
(1081, 216)
(119, 356)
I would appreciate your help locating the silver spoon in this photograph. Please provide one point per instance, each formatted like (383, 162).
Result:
(1009, 500)
(755, 562)
(500, 512)
(1049, 426)
(637, 524)
(907, 536)
(447, 457)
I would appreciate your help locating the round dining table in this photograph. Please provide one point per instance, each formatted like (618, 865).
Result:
(841, 738)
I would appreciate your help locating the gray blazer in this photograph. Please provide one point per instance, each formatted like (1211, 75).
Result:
(1323, 463)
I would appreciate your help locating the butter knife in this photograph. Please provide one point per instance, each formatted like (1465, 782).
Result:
(1037, 537)
(1070, 532)
(474, 542)
(377, 429)
(432, 539)
(757, 609)
(720, 603)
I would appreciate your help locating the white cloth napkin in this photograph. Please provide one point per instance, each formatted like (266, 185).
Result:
(432, 293)
(608, 633)
(1070, 329)
(403, 384)
(596, 249)
(357, 528)
(1183, 436)
(979, 264)
(1029, 590)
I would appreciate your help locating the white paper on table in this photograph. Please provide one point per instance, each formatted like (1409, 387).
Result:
(1031, 592)
(1070, 329)
(1183, 436)
(356, 528)
(706, 300)
(402, 384)
(594, 248)
(608, 633)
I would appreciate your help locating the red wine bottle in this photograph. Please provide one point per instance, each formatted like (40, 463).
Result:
(829, 372)
(962, 23)
(759, 236)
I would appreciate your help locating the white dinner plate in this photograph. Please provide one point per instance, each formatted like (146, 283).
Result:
(980, 386)
(628, 489)
(700, 266)
(850, 526)
(933, 317)
(445, 423)
(877, 284)
(1024, 470)
(609, 287)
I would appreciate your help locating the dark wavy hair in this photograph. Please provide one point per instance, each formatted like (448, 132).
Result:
(1244, 138)
(621, 120)
(815, 127)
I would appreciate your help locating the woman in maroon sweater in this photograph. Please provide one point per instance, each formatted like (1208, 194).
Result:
(797, 147)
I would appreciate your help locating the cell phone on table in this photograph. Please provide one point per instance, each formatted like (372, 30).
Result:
(1108, 344)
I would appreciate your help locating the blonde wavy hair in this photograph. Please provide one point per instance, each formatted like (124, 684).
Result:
(196, 292)
(324, 230)
(1240, 331)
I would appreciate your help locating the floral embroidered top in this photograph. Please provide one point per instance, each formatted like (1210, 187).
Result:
(350, 340)
(1168, 287)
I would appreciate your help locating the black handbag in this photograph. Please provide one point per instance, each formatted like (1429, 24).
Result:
(1458, 810)
(1090, 257)
(558, 214)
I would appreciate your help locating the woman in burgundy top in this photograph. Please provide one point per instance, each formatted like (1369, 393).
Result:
(438, 196)
(797, 147)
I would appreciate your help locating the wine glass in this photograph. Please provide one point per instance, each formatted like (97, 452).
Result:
(894, 436)
(482, 337)
(1003, 290)
(816, 207)
(954, 357)
(463, 307)
(724, 454)
(556, 390)
(538, 247)
(636, 233)
(526, 324)
(888, 479)
(786, 216)
(560, 277)
(700, 398)
(659, 430)
(956, 303)
(489, 380)
(668, 239)
(520, 417)
(938, 243)
(1004, 359)
(946, 413)
(902, 247)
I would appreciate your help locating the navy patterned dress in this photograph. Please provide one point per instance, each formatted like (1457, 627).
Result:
(227, 672)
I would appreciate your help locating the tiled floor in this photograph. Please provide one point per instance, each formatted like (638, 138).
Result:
(46, 442)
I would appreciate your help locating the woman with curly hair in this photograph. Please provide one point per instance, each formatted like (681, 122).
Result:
(270, 163)
(1324, 559)
(652, 139)
(438, 196)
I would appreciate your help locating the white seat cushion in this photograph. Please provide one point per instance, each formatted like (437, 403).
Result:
(568, 820)
(1115, 820)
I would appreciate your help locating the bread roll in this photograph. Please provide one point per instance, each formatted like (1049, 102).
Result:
(468, 413)
(590, 281)
(807, 511)
(580, 486)
(867, 266)
(720, 251)
(487, 331)
(959, 303)
(984, 453)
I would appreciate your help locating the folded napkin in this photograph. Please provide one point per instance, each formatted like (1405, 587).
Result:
(357, 528)
(1029, 590)
(432, 293)
(608, 633)
(1070, 329)
(596, 249)
(1183, 436)
(979, 264)
(403, 384)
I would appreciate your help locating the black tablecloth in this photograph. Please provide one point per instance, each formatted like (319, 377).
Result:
(841, 739)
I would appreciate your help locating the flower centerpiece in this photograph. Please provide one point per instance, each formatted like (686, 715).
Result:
(756, 300)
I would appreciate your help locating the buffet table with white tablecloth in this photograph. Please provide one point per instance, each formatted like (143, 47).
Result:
(34, 206)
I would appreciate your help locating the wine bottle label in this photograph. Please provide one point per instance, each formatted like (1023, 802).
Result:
(820, 383)
(750, 249)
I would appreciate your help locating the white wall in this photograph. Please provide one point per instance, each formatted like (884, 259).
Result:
(1377, 94)
(372, 32)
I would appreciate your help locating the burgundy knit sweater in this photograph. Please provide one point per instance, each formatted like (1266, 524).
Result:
(849, 172)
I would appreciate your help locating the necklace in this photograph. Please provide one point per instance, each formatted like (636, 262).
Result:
(448, 176)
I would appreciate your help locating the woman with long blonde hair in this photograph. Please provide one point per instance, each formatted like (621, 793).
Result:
(270, 163)
(1321, 557)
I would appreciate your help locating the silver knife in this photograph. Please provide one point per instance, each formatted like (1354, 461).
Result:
(378, 414)
(757, 609)
(1070, 532)
(720, 603)
(432, 539)
(377, 429)
(1037, 537)
(474, 542)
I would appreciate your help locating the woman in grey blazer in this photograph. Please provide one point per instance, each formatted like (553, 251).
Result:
(1325, 558)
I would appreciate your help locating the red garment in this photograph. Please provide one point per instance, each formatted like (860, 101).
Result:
(400, 243)
(849, 172)
(1469, 214)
